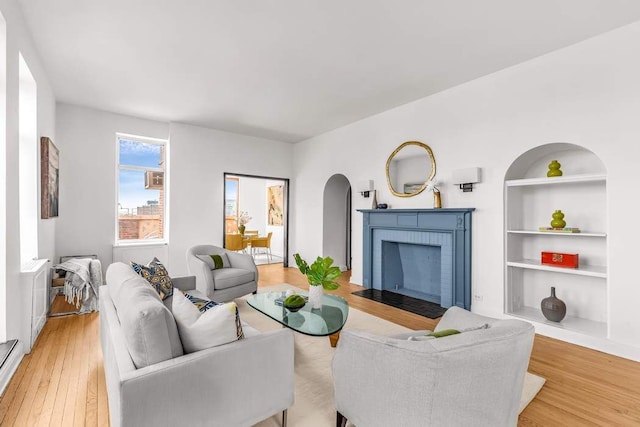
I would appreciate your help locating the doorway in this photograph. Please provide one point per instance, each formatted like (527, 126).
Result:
(256, 217)
(336, 221)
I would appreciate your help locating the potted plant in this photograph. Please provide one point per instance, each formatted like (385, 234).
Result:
(243, 219)
(322, 274)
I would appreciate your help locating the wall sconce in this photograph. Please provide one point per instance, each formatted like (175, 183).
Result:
(364, 187)
(465, 178)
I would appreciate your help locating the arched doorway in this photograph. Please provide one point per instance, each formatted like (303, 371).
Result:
(336, 221)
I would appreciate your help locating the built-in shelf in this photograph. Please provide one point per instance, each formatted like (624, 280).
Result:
(551, 233)
(530, 199)
(583, 270)
(556, 180)
(571, 323)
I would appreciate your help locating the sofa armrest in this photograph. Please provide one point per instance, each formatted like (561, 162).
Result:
(239, 383)
(184, 283)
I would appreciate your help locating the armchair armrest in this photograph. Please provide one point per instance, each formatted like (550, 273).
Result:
(184, 283)
(244, 261)
(368, 367)
(239, 383)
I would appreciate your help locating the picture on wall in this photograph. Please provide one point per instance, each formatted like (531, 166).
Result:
(49, 178)
(275, 205)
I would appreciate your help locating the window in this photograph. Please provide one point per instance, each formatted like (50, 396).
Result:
(141, 204)
(231, 204)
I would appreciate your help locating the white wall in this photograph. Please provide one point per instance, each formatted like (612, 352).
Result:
(587, 94)
(87, 143)
(199, 158)
(18, 40)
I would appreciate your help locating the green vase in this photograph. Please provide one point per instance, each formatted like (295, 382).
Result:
(558, 221)
(241, 229)
(554, 169)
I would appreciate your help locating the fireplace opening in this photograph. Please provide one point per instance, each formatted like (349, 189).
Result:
(412, 269)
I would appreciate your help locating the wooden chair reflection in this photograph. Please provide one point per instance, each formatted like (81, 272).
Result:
(262, 242)
(235, 242)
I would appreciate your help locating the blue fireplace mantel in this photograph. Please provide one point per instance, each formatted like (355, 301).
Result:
(447, 228)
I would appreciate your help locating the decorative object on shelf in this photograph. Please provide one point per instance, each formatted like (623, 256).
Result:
(558, 259)
(243, 219)
(553, 308)
(320, 275)
(382, 206)
(554, 169)
(437, 200)
(558, 221)
(374, 202)
(560, 230)
(411, 157)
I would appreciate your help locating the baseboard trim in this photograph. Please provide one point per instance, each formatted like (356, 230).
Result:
(10, 366)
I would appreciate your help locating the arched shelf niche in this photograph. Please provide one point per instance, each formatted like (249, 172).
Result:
(530, 199)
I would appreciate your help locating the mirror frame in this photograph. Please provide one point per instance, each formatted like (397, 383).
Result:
(433, 168)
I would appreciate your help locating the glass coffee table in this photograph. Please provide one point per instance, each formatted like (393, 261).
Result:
(325, 321)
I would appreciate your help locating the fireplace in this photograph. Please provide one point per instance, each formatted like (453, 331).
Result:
(412, 269)
(421, 253)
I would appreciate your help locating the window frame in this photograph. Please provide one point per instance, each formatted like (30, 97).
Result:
(164, 169)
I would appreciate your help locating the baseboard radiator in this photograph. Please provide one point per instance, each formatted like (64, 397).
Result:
(34, 280)
(141, 254)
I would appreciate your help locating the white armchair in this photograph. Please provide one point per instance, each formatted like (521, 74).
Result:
(472, 378)
(225, 284)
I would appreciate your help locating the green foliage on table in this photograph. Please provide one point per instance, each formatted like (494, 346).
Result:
(321, 272)
(294, 300)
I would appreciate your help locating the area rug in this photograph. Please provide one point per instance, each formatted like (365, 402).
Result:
(314, 405)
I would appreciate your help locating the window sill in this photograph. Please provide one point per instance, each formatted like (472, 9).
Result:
(132, 243)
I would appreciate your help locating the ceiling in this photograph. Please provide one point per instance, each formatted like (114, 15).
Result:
(292, 69)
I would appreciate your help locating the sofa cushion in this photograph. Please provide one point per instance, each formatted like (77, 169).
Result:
(156, 274)
(218, 324)
(149, 329)
(230, 277)
(215, 261)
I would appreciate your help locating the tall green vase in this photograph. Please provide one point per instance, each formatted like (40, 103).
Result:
(558, 219)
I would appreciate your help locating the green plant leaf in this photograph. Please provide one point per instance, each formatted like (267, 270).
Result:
(302, 264)
(320, 273)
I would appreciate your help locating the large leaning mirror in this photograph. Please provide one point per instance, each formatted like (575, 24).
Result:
(409, 169)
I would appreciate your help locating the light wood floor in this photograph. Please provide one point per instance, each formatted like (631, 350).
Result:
(62, 381)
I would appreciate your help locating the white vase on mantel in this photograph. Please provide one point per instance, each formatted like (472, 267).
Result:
(315, 296)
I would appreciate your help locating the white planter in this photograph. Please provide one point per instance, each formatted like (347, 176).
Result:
(315, 296)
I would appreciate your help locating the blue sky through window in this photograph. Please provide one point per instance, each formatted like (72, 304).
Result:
(132, 193)
(231, 196)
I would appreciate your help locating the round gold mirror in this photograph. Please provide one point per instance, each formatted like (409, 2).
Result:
(409, 169)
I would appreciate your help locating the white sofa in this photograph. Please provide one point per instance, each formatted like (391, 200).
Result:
(150, 382)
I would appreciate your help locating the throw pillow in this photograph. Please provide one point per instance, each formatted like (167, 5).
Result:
(443, 333)
(203, 323)
(215, 261)
(156, 274)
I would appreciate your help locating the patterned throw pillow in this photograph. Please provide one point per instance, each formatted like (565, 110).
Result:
(204, 324)
(156, 274)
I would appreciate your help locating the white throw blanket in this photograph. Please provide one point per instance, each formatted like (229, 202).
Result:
(81, 283)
